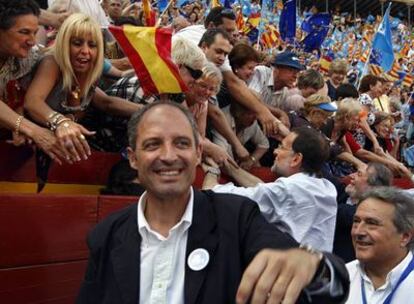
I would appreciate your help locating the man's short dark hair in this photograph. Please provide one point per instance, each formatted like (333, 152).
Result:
(136, 119)
(346, 90)
(379, 175)
(217, 14)
(404, 207)
(313, 147)
(210, 36)
(10, 9)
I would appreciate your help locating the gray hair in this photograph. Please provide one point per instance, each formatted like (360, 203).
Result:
(379, 175)
(404, 207)
(136, 119)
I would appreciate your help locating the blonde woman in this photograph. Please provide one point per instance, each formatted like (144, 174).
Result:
(63, 86)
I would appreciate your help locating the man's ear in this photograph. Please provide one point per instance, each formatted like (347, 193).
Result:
(406, 238)
(132, 158)
(297, 160)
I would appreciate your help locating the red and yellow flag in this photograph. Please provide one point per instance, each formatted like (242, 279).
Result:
(149, 51)
(148, 13)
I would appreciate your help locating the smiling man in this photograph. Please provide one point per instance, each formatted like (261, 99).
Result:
(180, 245)
(382, 235)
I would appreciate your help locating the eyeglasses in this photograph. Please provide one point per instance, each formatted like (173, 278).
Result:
(196, 74)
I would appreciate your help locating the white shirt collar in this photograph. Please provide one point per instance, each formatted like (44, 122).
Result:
(393, 275)
(186, 219)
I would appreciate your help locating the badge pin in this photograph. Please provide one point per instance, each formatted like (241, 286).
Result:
(198, 259)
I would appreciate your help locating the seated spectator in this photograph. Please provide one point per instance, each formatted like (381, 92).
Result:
(339, 130)
(64, 85)
(383, 237)
(337, 73)
(244, 123)
(383, 129)
(18, 55)
(373, 175)
(292, 202)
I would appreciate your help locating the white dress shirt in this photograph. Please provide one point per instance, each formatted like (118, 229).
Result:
(301, 205)
(403, 295)
(163, 259)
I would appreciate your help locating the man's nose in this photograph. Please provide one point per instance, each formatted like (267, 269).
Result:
(168, 153)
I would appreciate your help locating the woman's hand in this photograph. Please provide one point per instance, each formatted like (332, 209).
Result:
(72, 138)
(48, 142)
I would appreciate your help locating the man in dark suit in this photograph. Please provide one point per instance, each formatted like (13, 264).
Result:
(180, 245)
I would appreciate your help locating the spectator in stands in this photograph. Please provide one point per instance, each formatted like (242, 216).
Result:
(63, 85)
(225, 19)
(337, 73)
(243, 122)
(373, 175)
(310, 82)
(339, 130)
(243, 59)
(383, 237)
(18, 26)
(293, 202)
(114, 10)
(382, 102)
(216, 45)
(156, 250)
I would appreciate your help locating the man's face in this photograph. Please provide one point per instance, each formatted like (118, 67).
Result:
(165, 153)
(114, 9)
(352, 122)
(374, 235)
(218, 50)
(284, 156)
(359, 183)
(284, 76)
(230, 27)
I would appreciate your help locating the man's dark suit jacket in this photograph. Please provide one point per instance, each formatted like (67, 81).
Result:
(230, 227)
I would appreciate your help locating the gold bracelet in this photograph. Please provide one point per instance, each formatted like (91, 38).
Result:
(17, 125)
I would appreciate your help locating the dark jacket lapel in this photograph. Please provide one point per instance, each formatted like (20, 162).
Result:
(202, 234)
(126, 259)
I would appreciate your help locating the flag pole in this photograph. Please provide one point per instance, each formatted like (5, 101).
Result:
(157, 24)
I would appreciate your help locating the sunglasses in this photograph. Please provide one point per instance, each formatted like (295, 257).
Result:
(196, 74)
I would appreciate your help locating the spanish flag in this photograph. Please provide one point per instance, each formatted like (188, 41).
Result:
(148, 13)
(149, 51)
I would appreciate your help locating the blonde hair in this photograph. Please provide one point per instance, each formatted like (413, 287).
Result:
(314, 100)
(346, 108)
(186, 52)
(338, 66)
(211, 72)
(77, 25)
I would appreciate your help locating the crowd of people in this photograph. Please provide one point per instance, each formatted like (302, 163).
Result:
(67, 88)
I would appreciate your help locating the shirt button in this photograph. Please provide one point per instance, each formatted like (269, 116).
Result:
(159, 286)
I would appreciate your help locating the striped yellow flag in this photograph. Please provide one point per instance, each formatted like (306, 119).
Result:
(149, 51)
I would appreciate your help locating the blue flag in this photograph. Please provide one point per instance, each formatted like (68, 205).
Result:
(287, 22)
(382, 53)
(162, 4)
(317, 26)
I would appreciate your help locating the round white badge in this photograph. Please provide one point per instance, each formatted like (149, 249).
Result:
(198, 259)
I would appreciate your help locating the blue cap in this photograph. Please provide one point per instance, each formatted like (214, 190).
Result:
(288, 59)
(327, 106)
